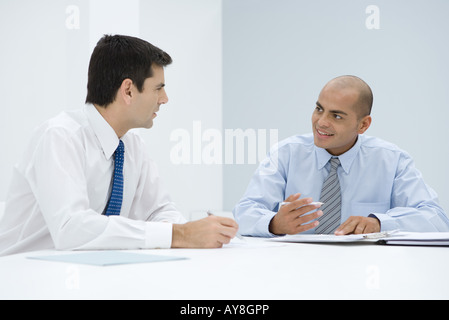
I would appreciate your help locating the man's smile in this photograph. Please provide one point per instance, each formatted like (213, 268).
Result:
(324, 133)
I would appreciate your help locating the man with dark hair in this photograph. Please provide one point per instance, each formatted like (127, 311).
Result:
(364, 184)
(116, 58)
(86, 182)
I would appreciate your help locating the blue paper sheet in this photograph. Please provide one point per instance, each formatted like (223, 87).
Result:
(106, 258)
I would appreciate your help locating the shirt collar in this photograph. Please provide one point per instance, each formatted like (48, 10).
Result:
(346, 159)
(103, 131)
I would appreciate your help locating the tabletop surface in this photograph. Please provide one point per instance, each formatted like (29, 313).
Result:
(255, 269)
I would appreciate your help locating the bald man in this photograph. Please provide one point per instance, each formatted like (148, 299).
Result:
(366, 184)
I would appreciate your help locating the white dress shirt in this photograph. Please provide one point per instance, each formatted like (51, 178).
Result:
(61, 187)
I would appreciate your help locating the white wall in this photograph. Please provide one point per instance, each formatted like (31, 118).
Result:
(190, 31)
(252, 64)
(277, 56)
(45, 50)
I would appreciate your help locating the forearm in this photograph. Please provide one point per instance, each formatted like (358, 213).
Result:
(253, 219)
(421, 219)
(91, 231)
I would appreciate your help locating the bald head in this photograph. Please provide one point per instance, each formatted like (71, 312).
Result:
(364, 102)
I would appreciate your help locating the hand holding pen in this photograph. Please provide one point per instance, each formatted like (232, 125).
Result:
(237, 234)
(295, 216)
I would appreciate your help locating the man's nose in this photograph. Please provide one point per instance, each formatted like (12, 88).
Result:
(322, 121)
(163, 99)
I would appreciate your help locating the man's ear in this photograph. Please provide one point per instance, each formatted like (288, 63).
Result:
(126, 91)
(364, 124)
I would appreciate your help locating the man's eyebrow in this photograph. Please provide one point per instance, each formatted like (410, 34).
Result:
(160, 85)
(332, 111)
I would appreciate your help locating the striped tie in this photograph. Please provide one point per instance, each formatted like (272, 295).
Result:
(115, 201)
(331, 196)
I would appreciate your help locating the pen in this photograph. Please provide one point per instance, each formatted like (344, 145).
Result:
(310, 204)
(238, 235)
(379, 235)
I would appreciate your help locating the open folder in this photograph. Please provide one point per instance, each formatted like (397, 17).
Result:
(391, 238)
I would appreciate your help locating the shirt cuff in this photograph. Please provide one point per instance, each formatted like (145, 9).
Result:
(263, 225)
(158, 235)
(387, 223)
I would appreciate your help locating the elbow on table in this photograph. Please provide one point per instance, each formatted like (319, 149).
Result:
(64, 238)
(72, 233)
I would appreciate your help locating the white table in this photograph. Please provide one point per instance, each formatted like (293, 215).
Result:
(258, 270)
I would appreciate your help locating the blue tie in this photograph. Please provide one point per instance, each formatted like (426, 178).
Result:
(115, 201)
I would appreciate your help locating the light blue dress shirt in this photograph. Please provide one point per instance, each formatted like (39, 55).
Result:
(376, 178)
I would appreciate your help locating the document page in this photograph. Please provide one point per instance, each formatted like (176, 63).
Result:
(329, 238)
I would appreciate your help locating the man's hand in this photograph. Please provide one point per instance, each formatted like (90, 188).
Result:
(210, 232)
(291, 217)
(358, 225)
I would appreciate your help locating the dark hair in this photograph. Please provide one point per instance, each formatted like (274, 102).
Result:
(116, 58)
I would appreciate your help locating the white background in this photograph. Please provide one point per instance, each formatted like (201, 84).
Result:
(257, 64)
(44, 71)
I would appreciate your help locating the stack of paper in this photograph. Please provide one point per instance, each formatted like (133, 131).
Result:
(418, 239)
(397, 238)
